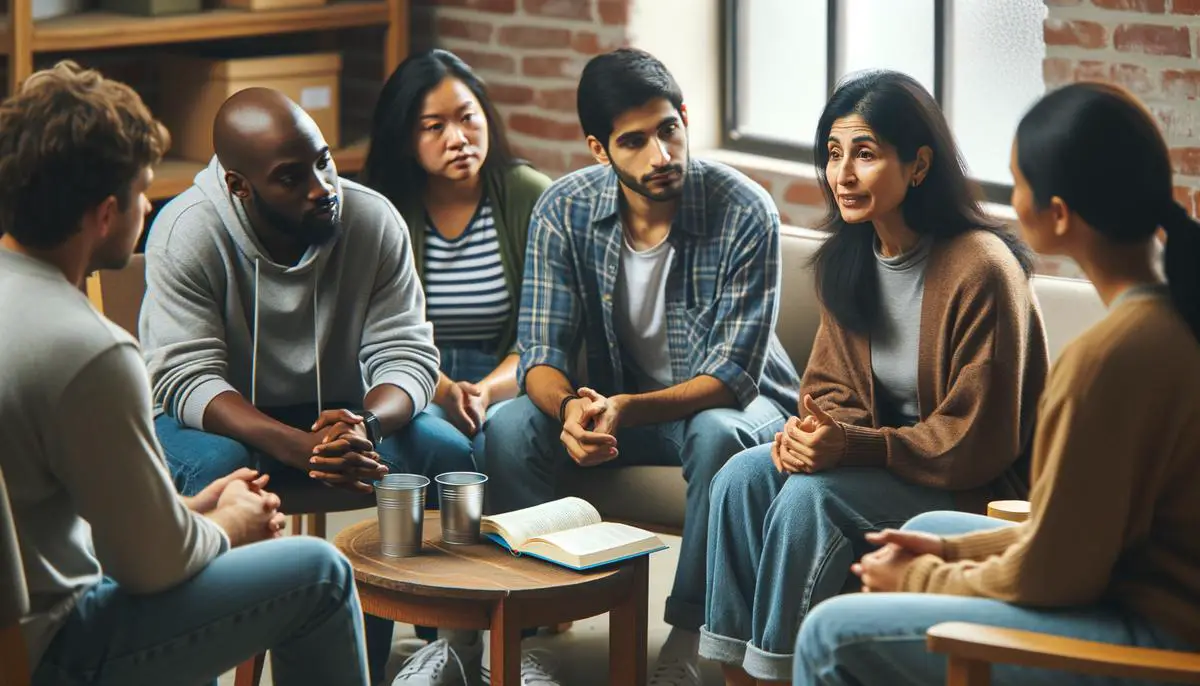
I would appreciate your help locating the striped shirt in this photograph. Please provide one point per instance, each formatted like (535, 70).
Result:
(466, 296)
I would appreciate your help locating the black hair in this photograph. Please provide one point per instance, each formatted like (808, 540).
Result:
(391, 166)
(1098, 149)
(946, 203)
(618, 81)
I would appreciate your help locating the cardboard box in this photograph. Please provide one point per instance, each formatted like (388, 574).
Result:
(152, 8)
(194, 88)
(258, 5)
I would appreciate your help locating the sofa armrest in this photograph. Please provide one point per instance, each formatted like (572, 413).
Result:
(971, 647)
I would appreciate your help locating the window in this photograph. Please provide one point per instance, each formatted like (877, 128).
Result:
(981, 59)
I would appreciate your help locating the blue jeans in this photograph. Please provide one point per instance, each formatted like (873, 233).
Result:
(469, 362)
(878, 639)
(292, 596)
(779, 544)
(524, 453)
(428, 446)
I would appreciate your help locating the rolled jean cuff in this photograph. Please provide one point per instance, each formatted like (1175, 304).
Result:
(723, 649)
(683, 614)
(765, 666)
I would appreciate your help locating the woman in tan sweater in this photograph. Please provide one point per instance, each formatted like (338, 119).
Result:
(1110, 551)
(920, 391)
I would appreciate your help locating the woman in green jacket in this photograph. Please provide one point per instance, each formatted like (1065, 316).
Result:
(439, 153)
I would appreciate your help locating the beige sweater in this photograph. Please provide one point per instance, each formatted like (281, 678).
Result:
(982, 363)
(1116, 496)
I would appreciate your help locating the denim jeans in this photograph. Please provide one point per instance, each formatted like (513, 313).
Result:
(779, 544)
(524, 453)
(427, 446)
(292, 596)
(878, 639)
(471, 362)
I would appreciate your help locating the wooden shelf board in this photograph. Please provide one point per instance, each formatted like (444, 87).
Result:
(96, 29)
(174, 176)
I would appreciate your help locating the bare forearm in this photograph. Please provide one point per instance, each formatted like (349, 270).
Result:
(502, 382)
(546, 387)
(676, 402)
(391, 405)
(230, 414)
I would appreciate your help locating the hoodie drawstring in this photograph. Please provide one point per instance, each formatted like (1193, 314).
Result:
(316, 344)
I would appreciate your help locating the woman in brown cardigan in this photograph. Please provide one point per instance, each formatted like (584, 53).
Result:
(920, 392)
(1110, 552)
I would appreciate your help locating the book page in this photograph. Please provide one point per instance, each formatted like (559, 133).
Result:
(592, 539)
(519, 526)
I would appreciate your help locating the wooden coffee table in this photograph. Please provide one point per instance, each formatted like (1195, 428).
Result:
(485, 587)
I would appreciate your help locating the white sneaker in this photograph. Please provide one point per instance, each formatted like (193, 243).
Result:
(437, 664)
(675, 671)
(535, 670)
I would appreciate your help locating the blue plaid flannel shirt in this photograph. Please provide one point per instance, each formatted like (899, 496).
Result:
(722, 294)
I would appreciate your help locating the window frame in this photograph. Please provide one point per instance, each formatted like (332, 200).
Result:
(734, 139)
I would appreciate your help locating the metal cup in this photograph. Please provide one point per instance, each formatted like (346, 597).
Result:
(461, 498)
(400, 501)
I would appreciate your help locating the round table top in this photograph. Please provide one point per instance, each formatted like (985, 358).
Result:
(480, 571)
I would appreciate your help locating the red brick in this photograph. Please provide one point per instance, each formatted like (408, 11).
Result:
(541, 127)
(534, 37)
(1185, 6)
(1057, 71)
(1183, 196)
(1150, 39)
(804, 193)
(589, 43)
(1134, 77)
(1148, 6)
(561, 67)
(1091, 70)
(546, 160)
(614, 11)
(1176, 123)
(558, 99)
(786, 219)
(760, 180)
(1186, 161)
(580, 160)
(497, 6)
(509, 94)
(460, 28)
(1196, 205)
(488, 61)
(1085, 34)
(1181, 83)
(562, 9)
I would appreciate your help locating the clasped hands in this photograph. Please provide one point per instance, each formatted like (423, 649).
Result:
(590, 425)
(343, 456)
(809, 445)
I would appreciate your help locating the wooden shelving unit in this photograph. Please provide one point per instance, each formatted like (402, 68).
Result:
(21, 38)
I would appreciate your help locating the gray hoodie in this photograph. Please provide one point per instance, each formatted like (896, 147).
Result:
(219, 315)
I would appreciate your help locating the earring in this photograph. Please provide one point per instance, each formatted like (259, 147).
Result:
(914, 183)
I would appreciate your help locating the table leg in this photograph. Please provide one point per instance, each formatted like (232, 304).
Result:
(506, 645)
(627, 626)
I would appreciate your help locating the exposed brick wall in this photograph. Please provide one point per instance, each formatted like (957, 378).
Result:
(531, 53)
(1151, 47)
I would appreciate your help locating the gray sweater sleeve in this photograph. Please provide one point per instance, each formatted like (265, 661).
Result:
(182, 335)
(397, 340)
(111, 464)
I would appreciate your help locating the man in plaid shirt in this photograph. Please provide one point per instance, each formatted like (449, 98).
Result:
(666, 269)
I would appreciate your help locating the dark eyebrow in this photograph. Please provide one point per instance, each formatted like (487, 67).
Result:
(292, 165)
(665, 121)
(866, 138)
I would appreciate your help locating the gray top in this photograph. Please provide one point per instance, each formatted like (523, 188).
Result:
(220, 315)
(89, 487)
(896, 338)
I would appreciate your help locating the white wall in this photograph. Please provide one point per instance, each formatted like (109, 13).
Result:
(685, 35)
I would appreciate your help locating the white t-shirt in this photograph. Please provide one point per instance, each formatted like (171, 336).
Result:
(640, 312)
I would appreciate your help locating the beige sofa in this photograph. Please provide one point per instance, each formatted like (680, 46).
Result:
(654, 496)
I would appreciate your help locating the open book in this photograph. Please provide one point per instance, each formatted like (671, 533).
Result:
(568, 532)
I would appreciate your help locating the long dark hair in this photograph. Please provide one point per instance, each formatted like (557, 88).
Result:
(946, 203)
(1096, 147)
(391, 166)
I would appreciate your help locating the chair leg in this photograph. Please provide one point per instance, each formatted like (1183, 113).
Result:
(297, 525)
(249, 673)
(316, 524)
(964, 672)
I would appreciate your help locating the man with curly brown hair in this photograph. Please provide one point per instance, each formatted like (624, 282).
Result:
(129, 583)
